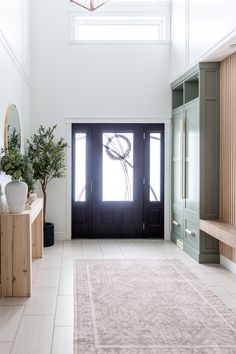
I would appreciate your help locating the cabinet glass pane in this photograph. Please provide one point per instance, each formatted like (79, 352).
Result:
(118, 162)
(155, 167)
(80, 167)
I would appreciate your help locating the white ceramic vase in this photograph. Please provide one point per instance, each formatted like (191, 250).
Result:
(16, 194)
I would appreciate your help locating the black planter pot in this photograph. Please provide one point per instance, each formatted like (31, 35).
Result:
(48, 234)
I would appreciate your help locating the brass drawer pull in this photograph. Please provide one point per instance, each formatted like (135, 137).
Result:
(175, 223)
(189, 232)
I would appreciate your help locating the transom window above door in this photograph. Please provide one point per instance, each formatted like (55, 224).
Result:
(118, 29)
(121, 21)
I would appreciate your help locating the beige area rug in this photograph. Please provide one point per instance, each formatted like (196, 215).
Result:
(148, 307)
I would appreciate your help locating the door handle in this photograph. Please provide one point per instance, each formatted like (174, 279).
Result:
(182, 157)
(189, 232)
(176, 223)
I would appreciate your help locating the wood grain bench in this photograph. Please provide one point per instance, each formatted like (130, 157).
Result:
(223, 232)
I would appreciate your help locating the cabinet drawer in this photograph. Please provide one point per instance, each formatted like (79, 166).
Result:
(191, 233)
(177, 224)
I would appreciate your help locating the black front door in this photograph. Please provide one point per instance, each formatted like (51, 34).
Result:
(117, 180)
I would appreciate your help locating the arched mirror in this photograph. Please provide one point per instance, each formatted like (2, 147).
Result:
(12, 134)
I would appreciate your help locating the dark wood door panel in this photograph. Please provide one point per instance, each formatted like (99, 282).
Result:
(117, 221)
(125, 217)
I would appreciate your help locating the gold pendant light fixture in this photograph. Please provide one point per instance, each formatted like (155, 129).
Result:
(90, 5)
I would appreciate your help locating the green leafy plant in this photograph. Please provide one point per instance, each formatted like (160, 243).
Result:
(28, 174)
(15, 164)
(13, 139)
(47, 157)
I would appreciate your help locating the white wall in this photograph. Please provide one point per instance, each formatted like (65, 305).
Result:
(14, 68)
(197, 26)
(89, 81)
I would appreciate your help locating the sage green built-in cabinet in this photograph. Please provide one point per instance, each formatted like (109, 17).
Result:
(195, 159)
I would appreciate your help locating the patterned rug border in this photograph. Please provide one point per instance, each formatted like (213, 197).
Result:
(226, 312)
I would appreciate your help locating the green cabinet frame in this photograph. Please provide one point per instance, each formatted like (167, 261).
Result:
(195, 159)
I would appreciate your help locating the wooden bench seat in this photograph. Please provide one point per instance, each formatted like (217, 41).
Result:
(220, 230)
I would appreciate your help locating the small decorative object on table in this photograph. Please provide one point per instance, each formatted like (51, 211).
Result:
(32, 196)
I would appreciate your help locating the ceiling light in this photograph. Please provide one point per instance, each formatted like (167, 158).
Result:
(233, 45)
(90, 5)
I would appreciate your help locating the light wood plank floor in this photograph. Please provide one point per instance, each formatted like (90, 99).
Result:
(43, 324)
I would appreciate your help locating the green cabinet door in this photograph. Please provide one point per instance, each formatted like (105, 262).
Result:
(178, 202)
(191, 113)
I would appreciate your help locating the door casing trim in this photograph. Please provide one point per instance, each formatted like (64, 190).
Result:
(123, 119)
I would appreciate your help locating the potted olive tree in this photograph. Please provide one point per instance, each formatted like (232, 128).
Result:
(48, 160)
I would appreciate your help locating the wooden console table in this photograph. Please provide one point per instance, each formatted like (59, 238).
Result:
(21, 240)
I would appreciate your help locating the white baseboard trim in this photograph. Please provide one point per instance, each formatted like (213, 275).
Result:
(60, 236)
(228, 264)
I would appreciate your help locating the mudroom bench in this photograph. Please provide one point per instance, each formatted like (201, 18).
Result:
(221, 231)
